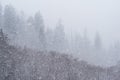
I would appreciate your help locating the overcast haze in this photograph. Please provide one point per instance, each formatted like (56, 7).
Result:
(94, 15)
(59, 39)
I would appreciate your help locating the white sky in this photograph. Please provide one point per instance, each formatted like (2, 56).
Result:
(95, 15)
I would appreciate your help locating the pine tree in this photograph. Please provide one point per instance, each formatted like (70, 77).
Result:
(97, 42)
(10, 21)
(4, 56)
(40, 29)
(1, 16)
(116, 48)
(49, 39)
(8, 58)
(59, 38)
(86, 41)
(3, 40)
(78, 45)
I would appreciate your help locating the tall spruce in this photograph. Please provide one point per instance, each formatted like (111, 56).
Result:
(1, 19)
(40, 29)
(10, 21)
(98, 42)
(59, 37)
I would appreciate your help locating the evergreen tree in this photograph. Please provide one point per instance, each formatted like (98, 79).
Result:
(20, 30)
(59, 38)
(10, 21)
(1, 16)
(117, 45)
(3, 40)
(116, 49)
(97, 42)
(30, 21)
(40, 29)
(49, 39)
(78, 45)
(6, 58)
(86, 42)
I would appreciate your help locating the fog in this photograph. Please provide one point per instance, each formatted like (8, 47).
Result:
(59, 40)
(77, 15)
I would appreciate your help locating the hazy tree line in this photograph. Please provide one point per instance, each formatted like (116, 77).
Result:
(31, 32)
(29, 51)
(27, 64)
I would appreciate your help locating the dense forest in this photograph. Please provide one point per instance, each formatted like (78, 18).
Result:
(30, 51)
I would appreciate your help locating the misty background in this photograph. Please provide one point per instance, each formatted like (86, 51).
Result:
(78, 16)
(59, 40)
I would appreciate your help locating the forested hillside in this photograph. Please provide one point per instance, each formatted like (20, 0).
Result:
(30, 51)
(27, 64)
